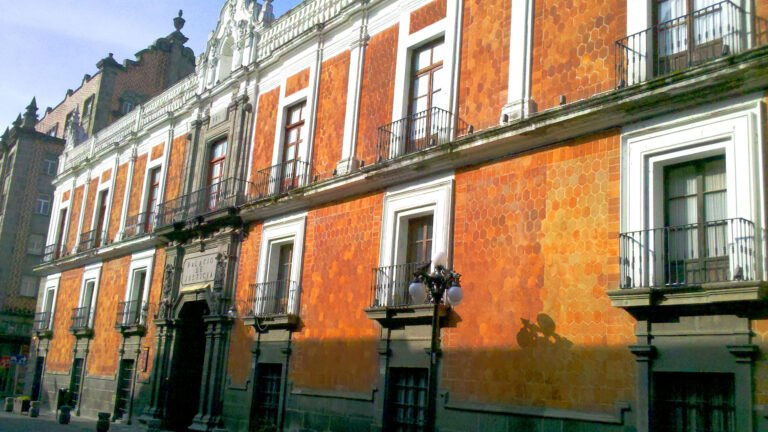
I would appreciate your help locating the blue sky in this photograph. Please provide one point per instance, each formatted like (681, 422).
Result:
(46, 46)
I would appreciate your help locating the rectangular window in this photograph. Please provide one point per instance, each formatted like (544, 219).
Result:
(49, 296)
(426, 96)
(133, 312)
(29, 286)
(54, 131)
(407, 400)
(124, 384)
(126, 106)
(101, 216)
(68, 122)
(74, 381)
(294, 126)
(691, 402)
(419, 247)
(698, 231)
(267, 404)
(35, 244)
(50, 165)
(216, 161)
(60, 232)
(43, 204)
(153, 195)
(689, 32)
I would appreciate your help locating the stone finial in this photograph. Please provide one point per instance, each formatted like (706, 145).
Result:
(30, 116)
(109, 60)
(266, 16)
(178, 22)
(17, 123)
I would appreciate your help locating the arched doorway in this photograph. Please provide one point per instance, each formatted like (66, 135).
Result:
(187, 369)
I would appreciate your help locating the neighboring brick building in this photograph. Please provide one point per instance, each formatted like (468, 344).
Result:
(236, 253)
(29, 159)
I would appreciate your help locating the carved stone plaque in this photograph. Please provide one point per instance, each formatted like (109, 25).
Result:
(199, 270)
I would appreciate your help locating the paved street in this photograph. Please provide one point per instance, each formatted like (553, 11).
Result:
(16, 423)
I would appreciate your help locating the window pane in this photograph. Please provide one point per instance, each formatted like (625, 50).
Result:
(422, 59)
(714, 175)
(438, 53)
(681, 181)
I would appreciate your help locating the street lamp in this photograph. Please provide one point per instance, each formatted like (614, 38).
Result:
(441, 283)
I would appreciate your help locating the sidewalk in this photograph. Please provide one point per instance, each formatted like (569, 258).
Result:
(10, 422)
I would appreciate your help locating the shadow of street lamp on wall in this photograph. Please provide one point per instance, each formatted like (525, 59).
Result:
(441, 284)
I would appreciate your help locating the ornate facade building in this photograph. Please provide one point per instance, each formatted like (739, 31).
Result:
(237, 252)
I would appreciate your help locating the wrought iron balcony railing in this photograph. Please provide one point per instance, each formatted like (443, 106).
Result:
(82, 318)
(702, 35)
(42, 322)
(225, 194)
(139, 224)
(390, 285)
(131, 313)
(689, 255)
(53, 252)
(273, 298)
(91, 240)
(279, 179)
(425, 129)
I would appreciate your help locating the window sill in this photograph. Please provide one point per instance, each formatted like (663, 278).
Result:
(705, 294)
(131, 330)
(273, 322)
(82, 332)
(404, 315)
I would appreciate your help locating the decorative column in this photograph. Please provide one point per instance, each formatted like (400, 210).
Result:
(348, 162)
(519, 103)
(209, 410)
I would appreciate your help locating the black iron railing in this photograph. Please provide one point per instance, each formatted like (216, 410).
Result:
(139, 224)
(273, 298)
(131, 313)
(280, 179)
(81, 318)
(718, 251)
(53, 252)
(225, 194)
(91, 240)
(425, 129)
(705, 34)
(42, 321)
(390, 285)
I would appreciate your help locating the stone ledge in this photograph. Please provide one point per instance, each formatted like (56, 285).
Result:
(721, 292)
(264, 324)
(400, 316)
(618, 417)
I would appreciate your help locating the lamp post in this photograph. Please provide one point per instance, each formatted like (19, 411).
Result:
(440, 284)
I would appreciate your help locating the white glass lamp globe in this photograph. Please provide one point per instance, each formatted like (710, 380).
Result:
(454, 295)
(440, 260)
(418, 292)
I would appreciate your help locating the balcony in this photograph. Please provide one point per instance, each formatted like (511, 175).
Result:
(420, 131)
(391, 302)
(689, 264)
(91, 240)
(82, 319)
(280, 179)
(700, 36)
(132, 317)
(42, 325)
(273, 304)
(225, 195)
(139, 224)
(53, 252)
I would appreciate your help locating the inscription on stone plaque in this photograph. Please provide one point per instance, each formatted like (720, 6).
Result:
(199, 270)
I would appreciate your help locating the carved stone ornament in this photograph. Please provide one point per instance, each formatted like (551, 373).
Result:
(166, 303)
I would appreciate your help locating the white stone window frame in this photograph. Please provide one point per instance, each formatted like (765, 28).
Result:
(304, 152)
(449, 29)
(276, 233)
(51, 285)
(140, 260)
(107, 185)
(731, 128)
(91, 273)
(157, 163)
(431, 196)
